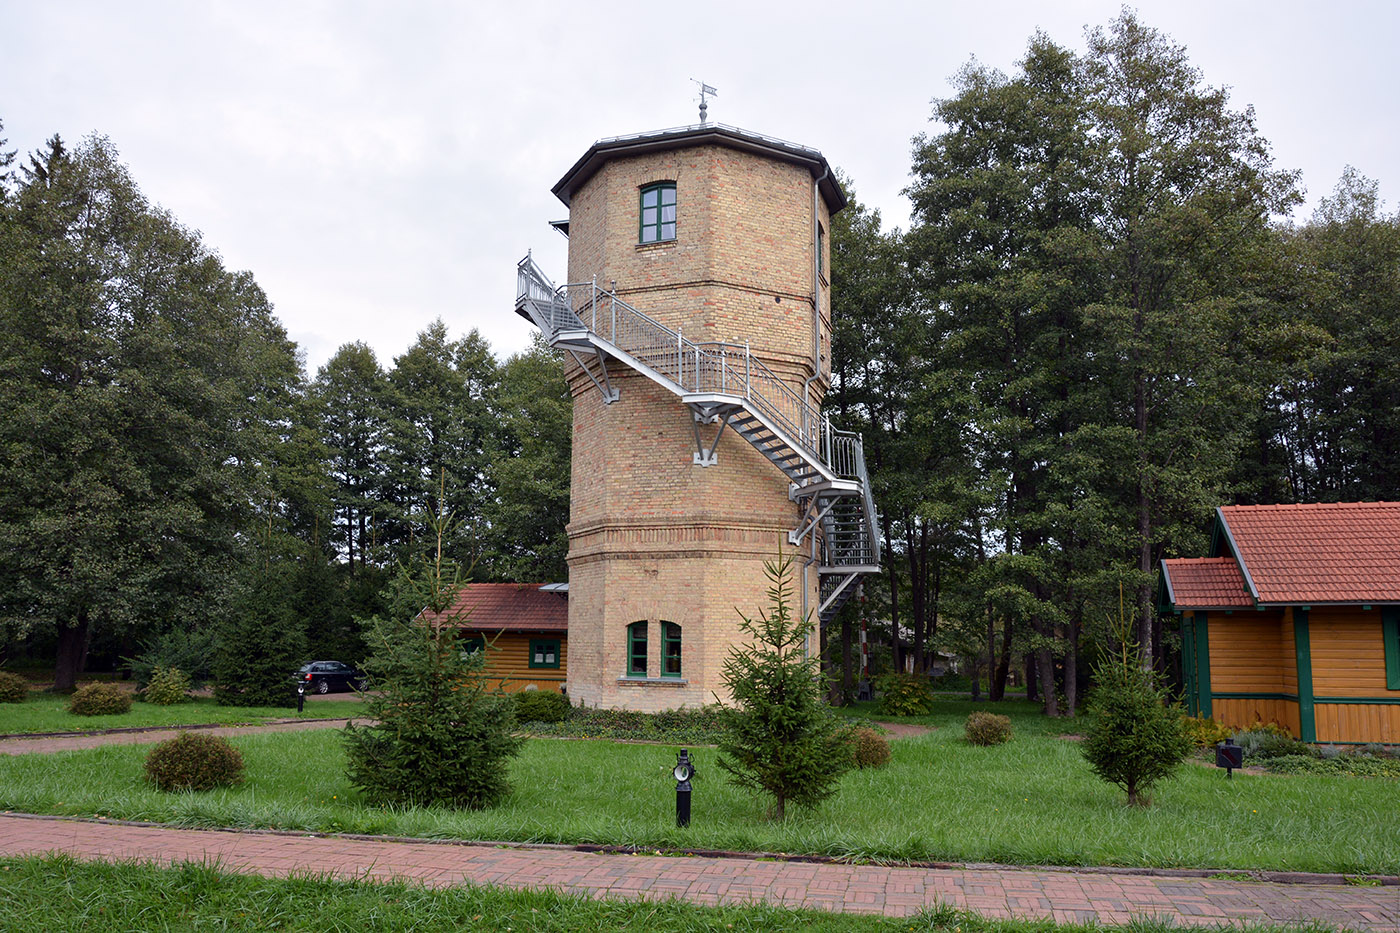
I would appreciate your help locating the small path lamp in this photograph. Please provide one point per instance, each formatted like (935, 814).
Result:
(301, 695)
(683, 772)
(1229, 756)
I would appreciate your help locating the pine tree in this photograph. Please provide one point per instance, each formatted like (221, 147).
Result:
(781, 737)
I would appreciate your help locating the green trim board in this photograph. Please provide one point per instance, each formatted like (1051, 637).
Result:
(1390, 634)
(1188, 665)
(1203, 664)
(1302, 648)
(1242, 695)
(1358, 701)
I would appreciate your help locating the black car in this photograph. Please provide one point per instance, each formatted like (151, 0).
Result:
(325, 676)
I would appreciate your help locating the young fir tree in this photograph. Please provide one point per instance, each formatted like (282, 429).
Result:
(259, 647)
(441, 736)
(1137, 736)
(781, 737)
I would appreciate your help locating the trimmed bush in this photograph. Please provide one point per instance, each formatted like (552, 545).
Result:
(1206, 733)
(99, 700)
(541, 706)
(191, 761)
(13, 688)
(168, 686)
(869, 748)
(905, 695)
(985, 728)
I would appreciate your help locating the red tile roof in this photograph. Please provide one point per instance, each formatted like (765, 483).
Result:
(516, 607)
(1342, 552)
(1205, 583)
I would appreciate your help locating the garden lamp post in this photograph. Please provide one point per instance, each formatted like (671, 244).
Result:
(301, 695)
(683, 772)
(1229, 756)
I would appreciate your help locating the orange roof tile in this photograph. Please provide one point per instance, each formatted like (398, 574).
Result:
(516, 607)
(1205, 583)
(1340, 552)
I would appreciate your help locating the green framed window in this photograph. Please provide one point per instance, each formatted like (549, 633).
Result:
(670, 649)
(637, 649)
(658, 215)
(1390, 632)
(544, 652)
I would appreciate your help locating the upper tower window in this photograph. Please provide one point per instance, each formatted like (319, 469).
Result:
(658, 221)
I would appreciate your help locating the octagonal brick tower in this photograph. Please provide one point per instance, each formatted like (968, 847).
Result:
(696, 327)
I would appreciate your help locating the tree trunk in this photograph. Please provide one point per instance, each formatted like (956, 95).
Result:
(848, 692)
(1072, 666)
(72, 654)
(975, 673)
(1045, 664)
(998, 686)
(1032, 682)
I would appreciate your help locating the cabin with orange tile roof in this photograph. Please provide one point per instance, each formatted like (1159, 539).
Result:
(522, 627)
(1294, 619)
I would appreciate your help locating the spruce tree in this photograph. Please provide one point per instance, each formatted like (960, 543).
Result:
(781, 737)
(441, 735)
(1136, 737)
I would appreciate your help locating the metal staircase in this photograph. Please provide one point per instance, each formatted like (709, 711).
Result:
(724, 385)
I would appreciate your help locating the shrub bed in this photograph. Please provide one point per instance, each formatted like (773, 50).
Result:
(699, 726)
(99, 700)
(541, 706)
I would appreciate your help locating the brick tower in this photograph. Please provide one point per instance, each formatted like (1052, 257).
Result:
(696, 324)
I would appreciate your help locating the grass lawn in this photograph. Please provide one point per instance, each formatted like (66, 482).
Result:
(1032, 801)
(49, 713)
(59, 894)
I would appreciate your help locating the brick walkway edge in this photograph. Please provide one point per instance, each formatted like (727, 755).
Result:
(1066, 896)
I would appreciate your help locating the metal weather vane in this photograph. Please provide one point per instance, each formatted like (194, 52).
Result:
(704, 90)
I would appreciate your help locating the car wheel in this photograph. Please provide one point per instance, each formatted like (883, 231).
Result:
(323, 686)
(361, 684)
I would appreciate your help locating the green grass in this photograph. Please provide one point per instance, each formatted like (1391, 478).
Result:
(49, 713)
(60, 894)
(1031, 801)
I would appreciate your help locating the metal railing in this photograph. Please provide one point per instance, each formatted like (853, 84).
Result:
(693, 367)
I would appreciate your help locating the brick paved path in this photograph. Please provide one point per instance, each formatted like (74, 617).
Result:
(27, 745)
(1066, 896)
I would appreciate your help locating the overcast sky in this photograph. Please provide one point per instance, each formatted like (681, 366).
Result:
(377, 165)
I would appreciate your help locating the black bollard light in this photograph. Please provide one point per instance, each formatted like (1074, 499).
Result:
(1229, 756)
(301, 695)
(683, 772)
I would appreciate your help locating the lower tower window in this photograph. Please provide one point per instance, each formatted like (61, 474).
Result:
(670, 649)
(637, 649)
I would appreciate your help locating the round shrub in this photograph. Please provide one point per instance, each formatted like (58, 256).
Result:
(869, 748)
(905, 695)
(168, 686)
(99, 700)
(191, 761)
(985, 728)
(13, 688)
(541, 706)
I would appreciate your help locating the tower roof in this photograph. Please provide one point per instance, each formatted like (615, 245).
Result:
(702, 134)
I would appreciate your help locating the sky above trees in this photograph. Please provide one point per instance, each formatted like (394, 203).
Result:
(381, 165)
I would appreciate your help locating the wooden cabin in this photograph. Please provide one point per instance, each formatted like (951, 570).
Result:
(524, 629)
(1294, 619)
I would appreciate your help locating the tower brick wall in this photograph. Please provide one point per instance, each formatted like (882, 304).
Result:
(652, 536)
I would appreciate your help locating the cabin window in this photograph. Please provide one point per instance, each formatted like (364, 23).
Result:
(637, 649)
(1390, 631)
(670, 649)
(473, 643)
(544, 652)
(658, 216)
